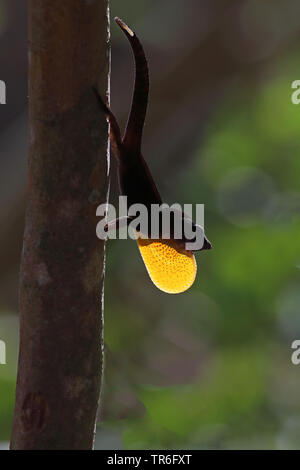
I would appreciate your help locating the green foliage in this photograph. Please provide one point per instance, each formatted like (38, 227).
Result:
(9, 334)
(7, 393)
(232, 391)
(239, 312)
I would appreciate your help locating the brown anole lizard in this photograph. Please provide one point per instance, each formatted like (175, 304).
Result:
(136, 182)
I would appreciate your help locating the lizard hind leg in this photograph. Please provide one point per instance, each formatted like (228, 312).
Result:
(115, 133)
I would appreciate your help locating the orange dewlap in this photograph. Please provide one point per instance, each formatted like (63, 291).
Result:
(171, 269)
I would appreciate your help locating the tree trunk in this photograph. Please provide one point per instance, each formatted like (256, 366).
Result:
(62, 270)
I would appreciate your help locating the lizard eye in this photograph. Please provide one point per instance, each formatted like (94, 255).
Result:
(171, 269)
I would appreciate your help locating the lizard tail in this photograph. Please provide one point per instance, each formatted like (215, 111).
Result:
(133, 135)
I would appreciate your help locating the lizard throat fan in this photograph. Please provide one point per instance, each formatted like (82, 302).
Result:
(171, 270)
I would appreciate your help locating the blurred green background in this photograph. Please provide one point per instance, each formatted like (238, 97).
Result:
(210, 368)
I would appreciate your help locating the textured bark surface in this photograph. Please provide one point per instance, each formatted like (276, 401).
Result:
(62, 271)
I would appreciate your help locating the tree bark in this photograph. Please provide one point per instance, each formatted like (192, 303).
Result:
(62, 269)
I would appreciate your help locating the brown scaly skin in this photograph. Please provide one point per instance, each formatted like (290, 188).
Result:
(135, 179)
